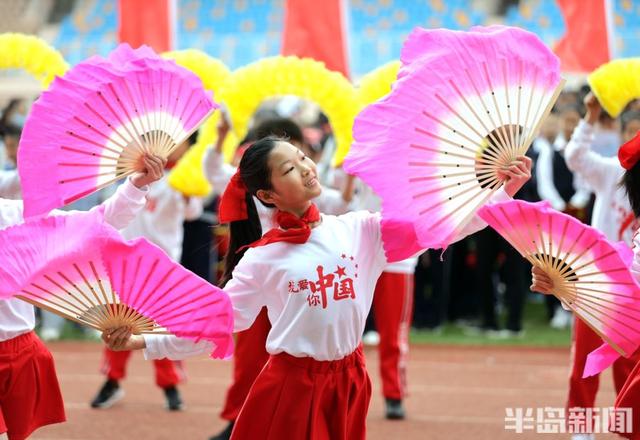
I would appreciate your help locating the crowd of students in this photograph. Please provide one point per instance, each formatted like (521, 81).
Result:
(573, 167)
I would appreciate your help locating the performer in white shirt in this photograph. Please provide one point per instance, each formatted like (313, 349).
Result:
(613, 216)
(160, 222)
(555, 183)
(629, 394)
(250, 353)
(32, 398)
(9, 179)
(316, 275)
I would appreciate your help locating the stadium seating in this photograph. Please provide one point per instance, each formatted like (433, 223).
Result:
(242, 31)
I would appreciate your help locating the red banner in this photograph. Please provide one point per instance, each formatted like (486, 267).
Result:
(315, 29)
(150, 22)
(588, 39)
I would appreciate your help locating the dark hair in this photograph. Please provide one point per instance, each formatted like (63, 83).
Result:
(631, 183)
(570, 107)
(605, 117)
(256, 175)
(281, 127)
(193, 137)
(250, 137)
(8, 110)
(12, 130)
(632, 115)
(322, 120)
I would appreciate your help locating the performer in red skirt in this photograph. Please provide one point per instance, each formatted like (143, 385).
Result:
(316, 276)
(29, 391)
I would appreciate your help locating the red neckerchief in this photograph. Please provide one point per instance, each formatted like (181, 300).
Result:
(293, 229)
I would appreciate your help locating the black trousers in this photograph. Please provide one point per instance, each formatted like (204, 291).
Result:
(196, 248)
(512, 272)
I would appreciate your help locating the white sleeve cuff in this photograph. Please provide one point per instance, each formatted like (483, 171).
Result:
(584, 129)
(151, 350)
(580, 199)
(558, 204)
(500, 196)
(173, 347)
(130, 191)
(212, 160)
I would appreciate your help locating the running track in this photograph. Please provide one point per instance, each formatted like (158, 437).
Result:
(456, 393)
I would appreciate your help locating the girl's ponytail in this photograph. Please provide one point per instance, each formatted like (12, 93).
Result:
(237, 206)
(629, 157)
(631, 183)
(241, 233)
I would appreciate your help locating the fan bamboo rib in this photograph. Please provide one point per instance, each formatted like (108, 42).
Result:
(79, 267)
(94, 304)
(508, 141)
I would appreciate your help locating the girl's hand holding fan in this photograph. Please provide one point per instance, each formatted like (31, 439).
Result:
(516, 174)
(153, 170)
(540, 281)
(121, 339)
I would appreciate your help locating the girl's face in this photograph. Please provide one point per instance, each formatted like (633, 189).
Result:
(11, 146)
(294, 179)
(630, 130)
(570, 120)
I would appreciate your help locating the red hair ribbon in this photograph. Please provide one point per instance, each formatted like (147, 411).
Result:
(233, 203)
(629, 153)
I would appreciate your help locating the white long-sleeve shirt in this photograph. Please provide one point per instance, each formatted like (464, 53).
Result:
(10, 185)
(18, 317)
(369, 201)
(635, 264)
(612, 214)
(161, 220)
(544, 176)
(219, 174)
(317, 294)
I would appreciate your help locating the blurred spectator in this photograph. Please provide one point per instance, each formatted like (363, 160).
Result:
(560, 188)
(14, 113)
(161, 222)
(9, 178)
(607, 136)
(614, 217)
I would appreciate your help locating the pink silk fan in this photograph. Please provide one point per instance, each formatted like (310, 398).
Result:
(80, 268)
(464, 106)
(590, 275)
(94, 124)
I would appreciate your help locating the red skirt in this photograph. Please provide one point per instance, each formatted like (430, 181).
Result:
(29, 391)
(301, 398)
(629, 397)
